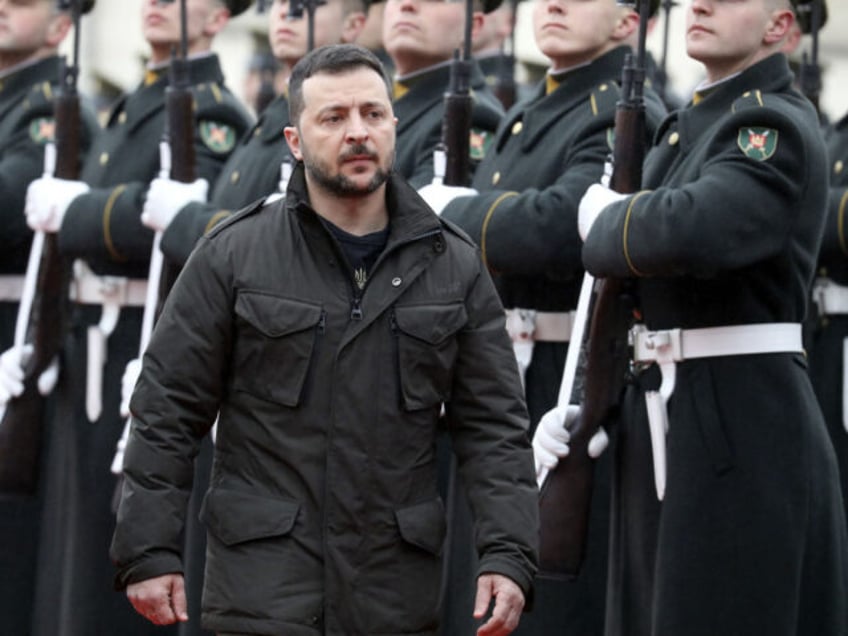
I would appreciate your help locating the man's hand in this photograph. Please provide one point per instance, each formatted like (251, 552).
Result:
(550, 441)
(437, 196)
(593, 203)
(161, 600)
(509, 602)
(48, 200)
(166, 197)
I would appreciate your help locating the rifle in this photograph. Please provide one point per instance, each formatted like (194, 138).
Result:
(505, 89)
(452, 157)
(566, 492)
(176, 160)
(44, 306)
(296, 10)
(660, 81)
(809, 76)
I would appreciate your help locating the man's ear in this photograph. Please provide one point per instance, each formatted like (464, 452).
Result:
(293, 140)
(476, 24)
(57, 30)
(352, 27)
(216, 21)
(626, 25)
(778, 26)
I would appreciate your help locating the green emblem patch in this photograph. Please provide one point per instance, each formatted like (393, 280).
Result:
(479, 143)
(757, 143)
(42, 130)
(218, 137)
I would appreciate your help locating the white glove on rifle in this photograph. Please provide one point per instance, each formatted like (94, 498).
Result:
(48, 200)
(438, 195)
(550, 441)
(593, 203)
(166, 197)
(12, 374)
(128, 380)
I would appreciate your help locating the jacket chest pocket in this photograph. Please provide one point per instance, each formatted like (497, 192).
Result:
(426, 348)
(274, 345)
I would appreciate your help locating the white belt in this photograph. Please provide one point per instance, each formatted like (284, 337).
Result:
(832, 299)
(11, 287)
(539, 326)
(670, 346)
(88, 288)
(112, 293)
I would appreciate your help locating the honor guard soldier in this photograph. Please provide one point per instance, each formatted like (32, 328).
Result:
(30, 70)
(97, 220)
(548, 150)
(421, 37)
(828, 346)
(828, 349)
(727, 515)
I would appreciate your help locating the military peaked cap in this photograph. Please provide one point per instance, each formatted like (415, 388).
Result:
(85, 6)
(804, 11)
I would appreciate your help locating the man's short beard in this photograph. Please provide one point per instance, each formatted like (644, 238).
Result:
(339, 184)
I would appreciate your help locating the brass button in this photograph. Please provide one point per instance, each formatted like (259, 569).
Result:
(234, 177)
(837, 167)
(603, 87)
(104, 158)
(495, 178)
(516, 127)
(122, 118)
(257, 131)
(673, 138)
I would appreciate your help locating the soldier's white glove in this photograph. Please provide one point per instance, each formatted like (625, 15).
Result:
(438, 195)
(596, 198)
(166, 197)
(48, 200)
(12, 373)
(550, 441)
(128, 380)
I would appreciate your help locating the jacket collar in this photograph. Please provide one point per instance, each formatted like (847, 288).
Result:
(410, 218)
(14, 85)
(544, 110)
(767, 76)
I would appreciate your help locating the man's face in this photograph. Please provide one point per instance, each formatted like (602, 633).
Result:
(27, 25)
(572, 32)
(288, 37)
(728, 35)
(346, 132)
(161, 22)
(420, 33)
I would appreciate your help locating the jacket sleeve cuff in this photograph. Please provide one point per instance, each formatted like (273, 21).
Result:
(509, 569)
(148, 568)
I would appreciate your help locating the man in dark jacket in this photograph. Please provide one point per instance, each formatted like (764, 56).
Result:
(727, 514)
(326, 331)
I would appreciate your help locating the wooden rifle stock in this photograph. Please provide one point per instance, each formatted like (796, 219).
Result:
(21, 428)
(566, 495)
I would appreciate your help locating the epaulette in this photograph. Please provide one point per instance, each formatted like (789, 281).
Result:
(40, 98)
(604, 98)
(749, 99)
(250, 210)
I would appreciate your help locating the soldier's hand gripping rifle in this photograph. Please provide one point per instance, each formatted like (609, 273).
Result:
(44, 304)
(565, 496)
(177, 160)
(452, 157)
